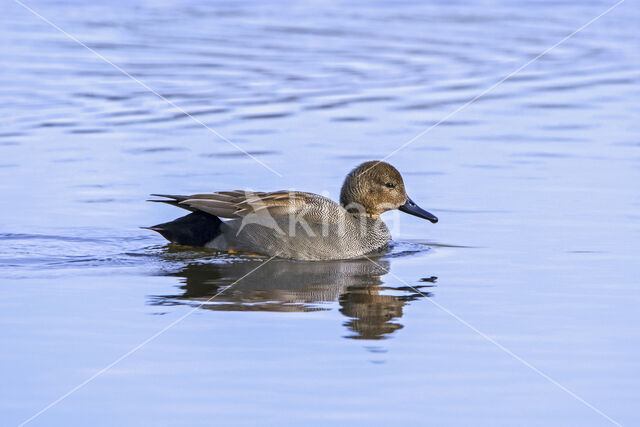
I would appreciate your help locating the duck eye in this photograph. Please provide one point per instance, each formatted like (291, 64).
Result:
(390, 185)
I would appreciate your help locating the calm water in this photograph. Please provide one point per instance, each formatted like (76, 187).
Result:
(536, 186)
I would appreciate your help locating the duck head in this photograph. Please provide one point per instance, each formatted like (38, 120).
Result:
(375, 187)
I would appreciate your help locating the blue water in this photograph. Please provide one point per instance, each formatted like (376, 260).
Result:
(518, 308)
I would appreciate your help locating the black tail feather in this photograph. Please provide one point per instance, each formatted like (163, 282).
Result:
(195, 229)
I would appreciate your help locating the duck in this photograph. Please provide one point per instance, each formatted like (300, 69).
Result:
(295, 224)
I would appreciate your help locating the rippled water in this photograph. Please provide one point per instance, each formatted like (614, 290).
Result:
(535, 183)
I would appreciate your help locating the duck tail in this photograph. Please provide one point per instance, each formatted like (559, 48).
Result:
(195, 229)
(173, 200)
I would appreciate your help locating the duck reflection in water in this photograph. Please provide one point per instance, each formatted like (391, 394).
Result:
(280, 285)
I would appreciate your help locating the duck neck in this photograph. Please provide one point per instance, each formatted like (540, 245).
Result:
(375, 231)
(366, 215)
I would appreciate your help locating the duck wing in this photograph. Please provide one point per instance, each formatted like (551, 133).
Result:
(239, 203)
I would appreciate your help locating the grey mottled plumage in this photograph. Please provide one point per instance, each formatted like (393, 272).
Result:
(293, 224)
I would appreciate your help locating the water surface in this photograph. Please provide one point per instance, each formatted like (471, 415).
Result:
(535, 185)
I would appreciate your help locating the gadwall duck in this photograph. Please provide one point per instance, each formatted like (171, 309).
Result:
(294, 224)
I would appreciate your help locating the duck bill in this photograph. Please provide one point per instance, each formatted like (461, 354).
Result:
(412, 209)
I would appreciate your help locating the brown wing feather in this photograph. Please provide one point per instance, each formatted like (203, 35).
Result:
(239, 203)
(234, 204)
